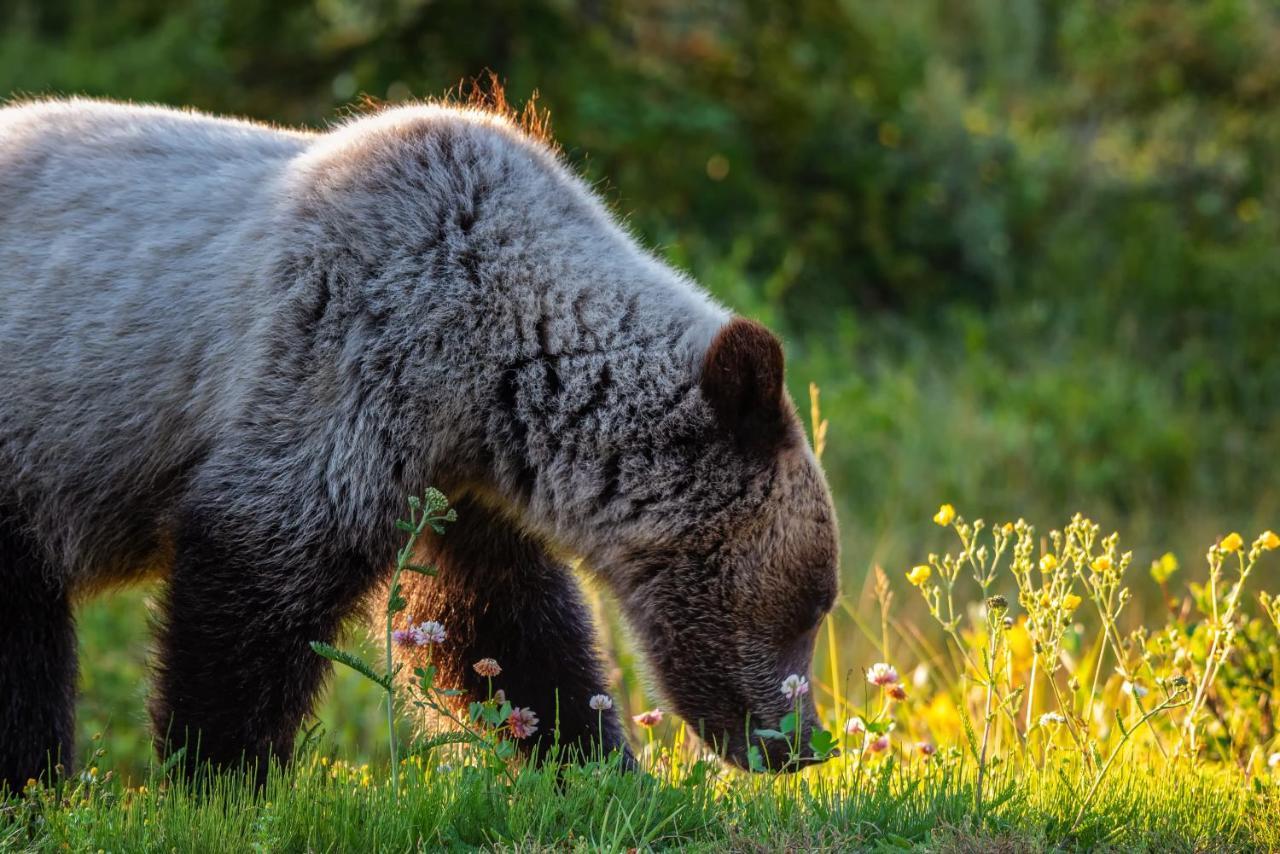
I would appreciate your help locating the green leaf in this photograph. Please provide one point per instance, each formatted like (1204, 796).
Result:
(421, 570)
(755, 759)
(770, 734)
(789, 722)
(405, 526)
(426, 745)
(426, 677)
(822, 743)
(355, 662)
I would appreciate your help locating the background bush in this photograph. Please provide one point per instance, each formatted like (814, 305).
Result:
(1029, 249)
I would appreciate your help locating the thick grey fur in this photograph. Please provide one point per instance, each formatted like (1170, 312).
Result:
(228, 338)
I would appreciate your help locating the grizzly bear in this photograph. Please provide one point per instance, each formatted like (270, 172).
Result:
(229, 351)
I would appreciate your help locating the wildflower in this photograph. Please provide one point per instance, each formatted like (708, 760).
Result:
(653, 717)
(897, 693)
(1231, 543)
(795, 686)
(1101, 564)
(420, 635)
(430, 632)
(878, 744)
(1048, 563)
(1134, 690)
(1166, 566)
(487, 667)
(1269, 540)
(1007, 529)
(1274, 760)
(523, 722)
(926, 749)
(855, 726)
(1071, 601)
(1054, 718)
(998, 603)
(944, 515)
(882, 674)
(600, 702)
(919, 574)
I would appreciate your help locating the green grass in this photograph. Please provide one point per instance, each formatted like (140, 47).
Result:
(891, 805)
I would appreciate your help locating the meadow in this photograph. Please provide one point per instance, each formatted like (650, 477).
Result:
(1029, 252)
(1036, 723)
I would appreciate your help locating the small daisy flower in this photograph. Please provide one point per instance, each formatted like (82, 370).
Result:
(523, 722)
(855, 726)
(487, 667)
(882, 674)
(1052, 718)
(795, 686)
(926, 749)
(1134, 690)
(601, 702)
(879, 744)
(651, 718)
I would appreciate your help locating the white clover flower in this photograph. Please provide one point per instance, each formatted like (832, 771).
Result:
(1052, 718)
(795, 686)
(879, 744)
(1134, 690)
(1274, 760)
(882, 674)
(430, 632)
(600, 702)
(855, 726)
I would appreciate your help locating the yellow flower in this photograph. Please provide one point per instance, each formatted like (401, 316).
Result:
(1071, 601)
(1102, 563)
(919, 575)
(1166, 566)
(944, 515)
(1269, 540)
(1231, 542)
(1048, 563)
(1008, 528)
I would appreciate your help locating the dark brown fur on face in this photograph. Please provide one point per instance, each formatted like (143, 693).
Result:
(735, 610)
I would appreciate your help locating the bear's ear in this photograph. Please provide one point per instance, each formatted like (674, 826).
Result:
(742, 380)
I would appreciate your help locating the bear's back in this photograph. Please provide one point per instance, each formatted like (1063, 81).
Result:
(132, 247)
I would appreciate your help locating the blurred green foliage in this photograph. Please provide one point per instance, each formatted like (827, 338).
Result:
(1030, 249)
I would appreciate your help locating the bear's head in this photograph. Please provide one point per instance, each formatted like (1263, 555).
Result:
(728, 601)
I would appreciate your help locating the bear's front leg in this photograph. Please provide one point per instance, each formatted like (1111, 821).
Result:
(500, 595)
(236, 674)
